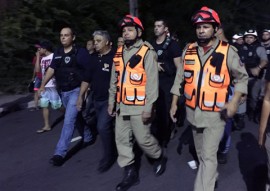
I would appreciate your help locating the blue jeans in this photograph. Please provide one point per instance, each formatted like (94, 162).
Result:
(72, 119)
(105, 129)
(225, 142)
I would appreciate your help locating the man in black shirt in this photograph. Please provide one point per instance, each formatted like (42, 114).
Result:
(98, 76)
(169, 57)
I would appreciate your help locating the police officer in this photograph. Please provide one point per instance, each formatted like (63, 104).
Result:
(169, 57)
(209, 66)
(133, 91)
(253, 55)
(99, 77)
(68, 65)
(238, 40)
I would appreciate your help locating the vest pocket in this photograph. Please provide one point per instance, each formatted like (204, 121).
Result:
(216, 81)
(189, 75)
(135, 76)
(208, 100)
(135, 95)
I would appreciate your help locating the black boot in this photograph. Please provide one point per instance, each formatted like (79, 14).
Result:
(131, 178)
(160, 165)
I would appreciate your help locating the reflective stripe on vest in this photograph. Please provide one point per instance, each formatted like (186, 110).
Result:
(207, 86)
(131, 80)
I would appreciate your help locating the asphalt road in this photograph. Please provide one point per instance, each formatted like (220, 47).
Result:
(24, 165)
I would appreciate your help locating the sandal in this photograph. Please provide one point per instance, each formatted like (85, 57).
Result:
(43, 130)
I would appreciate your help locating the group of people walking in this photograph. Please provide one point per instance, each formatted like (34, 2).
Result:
(142, 89)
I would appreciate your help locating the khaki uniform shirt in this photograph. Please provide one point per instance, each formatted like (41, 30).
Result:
(151, 69)
(239, 76)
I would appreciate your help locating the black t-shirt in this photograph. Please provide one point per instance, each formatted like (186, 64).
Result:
(166, 56)
(99, 75)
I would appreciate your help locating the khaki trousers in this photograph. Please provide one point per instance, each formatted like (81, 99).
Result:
(206, 143)
(126, 128)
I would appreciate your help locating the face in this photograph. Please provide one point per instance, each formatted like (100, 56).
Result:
(120, 41)
(100, 43)
(130, 33)
(204, 31)
(266, 36)
(249, 39)
(159, 28)
(42, 51)
(66, 37)
(90, 45)
(240, 41)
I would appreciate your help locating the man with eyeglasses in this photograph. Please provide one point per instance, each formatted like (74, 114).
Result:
(209, 67)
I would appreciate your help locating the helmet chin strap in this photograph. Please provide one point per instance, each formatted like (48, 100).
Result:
(204, 41)
(129, 43)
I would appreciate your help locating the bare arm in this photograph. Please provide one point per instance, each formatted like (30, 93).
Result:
(174, 107)
(264, 115)
(37, 64)
(48, 76)
(83, 89)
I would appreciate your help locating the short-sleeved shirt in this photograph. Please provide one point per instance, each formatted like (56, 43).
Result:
(99, 75)
(82, 56)
(196, 116)
(167, 56)
(44, 64)
(151, 70)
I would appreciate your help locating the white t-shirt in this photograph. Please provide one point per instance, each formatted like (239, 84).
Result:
(44, 64)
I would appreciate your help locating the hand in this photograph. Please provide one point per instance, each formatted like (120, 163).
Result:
(79, 103)
(111, 111)
(37, 53)
(231, 108)
(40, 90)
(146, 116)
(160, 68)
(261, 139)
(173, 112)
(255, 71)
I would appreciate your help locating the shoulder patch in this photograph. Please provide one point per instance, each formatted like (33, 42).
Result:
(148, 45)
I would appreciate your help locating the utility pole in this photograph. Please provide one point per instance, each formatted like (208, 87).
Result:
(133, 7)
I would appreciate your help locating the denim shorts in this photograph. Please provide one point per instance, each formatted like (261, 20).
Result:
(50, 96)
(37, 83)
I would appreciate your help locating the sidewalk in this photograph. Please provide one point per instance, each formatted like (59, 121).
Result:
(12, 103)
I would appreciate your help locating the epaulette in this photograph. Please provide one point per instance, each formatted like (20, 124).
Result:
(148, 45)
(187, 45)
(234, 48)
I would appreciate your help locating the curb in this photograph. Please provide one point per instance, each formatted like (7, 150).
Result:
(16, 105)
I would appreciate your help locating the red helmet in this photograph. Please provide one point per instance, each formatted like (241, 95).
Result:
(206, 15)
(130, 20)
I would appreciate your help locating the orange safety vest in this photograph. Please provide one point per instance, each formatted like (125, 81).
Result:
(206, 86)
(131, 80)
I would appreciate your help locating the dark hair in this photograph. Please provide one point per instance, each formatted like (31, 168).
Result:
(164, 21)
(73, 33)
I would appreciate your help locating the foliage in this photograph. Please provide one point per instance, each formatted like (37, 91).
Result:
(27, 22)
(34, 20)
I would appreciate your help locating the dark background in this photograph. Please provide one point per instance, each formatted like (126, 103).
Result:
(24, 23)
